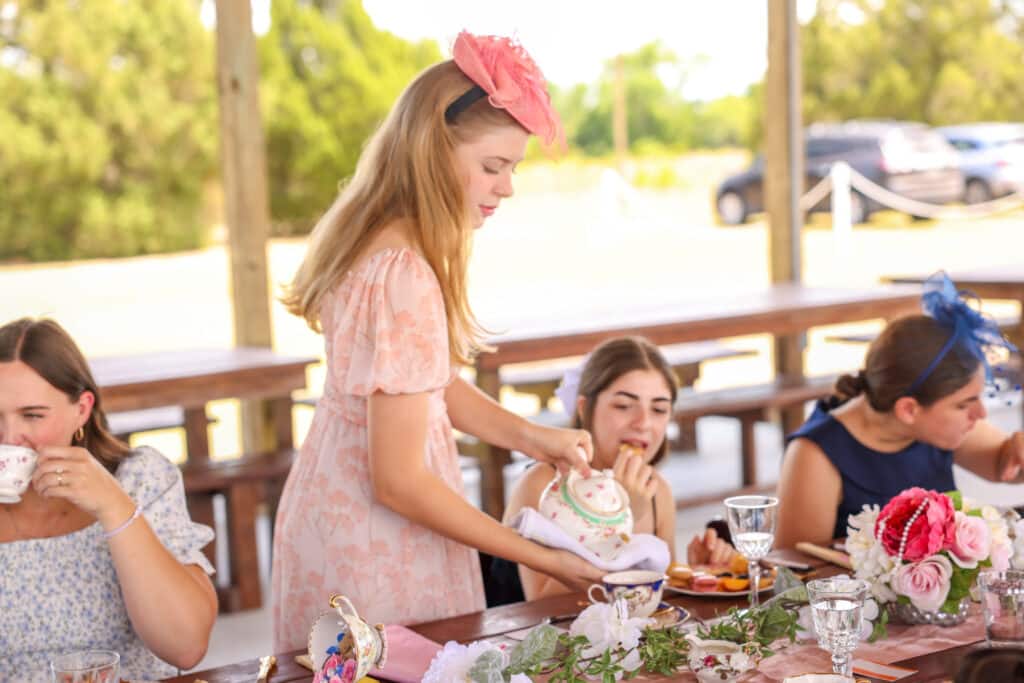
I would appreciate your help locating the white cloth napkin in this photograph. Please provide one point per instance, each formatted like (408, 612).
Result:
(643, 551)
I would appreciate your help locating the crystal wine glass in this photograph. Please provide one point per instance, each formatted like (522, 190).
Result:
(752, 525)
(836, 606)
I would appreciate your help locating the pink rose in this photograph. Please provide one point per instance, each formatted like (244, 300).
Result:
(971, 540)
(926, 583)
(931, 531)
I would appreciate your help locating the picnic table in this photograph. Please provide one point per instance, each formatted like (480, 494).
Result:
(941, 665)
(192, 378)
(189, 379)
(781, 309)
(995, 282)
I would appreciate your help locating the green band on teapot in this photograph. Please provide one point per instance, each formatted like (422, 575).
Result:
(600, 521)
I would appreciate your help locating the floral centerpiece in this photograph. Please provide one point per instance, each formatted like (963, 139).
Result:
(604, 643)
(924, 550)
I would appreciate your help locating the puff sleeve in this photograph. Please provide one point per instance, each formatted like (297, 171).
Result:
(393, 336)
(156, 486)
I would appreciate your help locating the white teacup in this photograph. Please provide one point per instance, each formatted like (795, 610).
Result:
(16, 466)
(640, 589)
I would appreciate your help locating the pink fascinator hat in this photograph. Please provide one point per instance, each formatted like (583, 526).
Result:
(509, 78)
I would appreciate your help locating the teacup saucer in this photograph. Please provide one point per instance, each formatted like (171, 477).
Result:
(668, 616)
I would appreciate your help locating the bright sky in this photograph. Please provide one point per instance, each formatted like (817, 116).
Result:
(723, 41)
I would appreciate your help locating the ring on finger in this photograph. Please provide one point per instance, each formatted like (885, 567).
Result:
(60, 479)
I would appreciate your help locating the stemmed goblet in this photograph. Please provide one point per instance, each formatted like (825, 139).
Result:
(836, 606)
(752, 526)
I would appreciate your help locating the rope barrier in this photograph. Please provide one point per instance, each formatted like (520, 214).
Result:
(890, 199)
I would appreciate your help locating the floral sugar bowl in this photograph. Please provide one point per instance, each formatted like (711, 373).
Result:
(593, 510)
(342, 647)
(720, 661)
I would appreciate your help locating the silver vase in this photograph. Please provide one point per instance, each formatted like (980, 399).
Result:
(908, 614)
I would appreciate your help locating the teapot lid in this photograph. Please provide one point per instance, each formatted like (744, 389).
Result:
(598, 496)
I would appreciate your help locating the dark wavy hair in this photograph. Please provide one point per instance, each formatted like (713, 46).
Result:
(49, 350)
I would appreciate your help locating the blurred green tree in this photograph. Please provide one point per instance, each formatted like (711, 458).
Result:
(108, 127)
(328, 77)
(936, 61)
(657, 115)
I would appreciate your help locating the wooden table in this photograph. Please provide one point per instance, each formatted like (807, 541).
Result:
(997, 282)
(192, 378)
(934, 666)
(784, 309)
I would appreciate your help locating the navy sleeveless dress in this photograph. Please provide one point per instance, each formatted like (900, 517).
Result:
(871, 477)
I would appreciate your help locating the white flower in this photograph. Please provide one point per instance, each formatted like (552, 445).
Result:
(740, 661)
(453, 662)
(1017, 559)
(609, 627)
(881, 587)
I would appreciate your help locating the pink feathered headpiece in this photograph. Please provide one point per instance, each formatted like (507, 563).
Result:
(511, 81)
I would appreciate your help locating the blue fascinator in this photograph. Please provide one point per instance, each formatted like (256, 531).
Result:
(975, 333)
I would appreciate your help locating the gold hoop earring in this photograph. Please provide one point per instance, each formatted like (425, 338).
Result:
(80, 435)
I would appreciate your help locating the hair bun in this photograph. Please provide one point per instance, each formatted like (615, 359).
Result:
(848, 386)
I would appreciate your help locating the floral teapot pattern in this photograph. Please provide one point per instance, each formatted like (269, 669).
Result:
(342, 646)
(593, 510)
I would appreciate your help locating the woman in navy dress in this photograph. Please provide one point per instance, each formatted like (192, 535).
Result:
(904, 420)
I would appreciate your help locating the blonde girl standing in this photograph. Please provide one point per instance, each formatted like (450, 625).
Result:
(373, 507)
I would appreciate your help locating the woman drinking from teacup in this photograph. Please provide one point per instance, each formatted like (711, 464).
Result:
(904, 420)
(97, 548)
(623, 396)
(373, 507)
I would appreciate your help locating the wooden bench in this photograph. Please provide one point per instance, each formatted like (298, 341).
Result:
(128, 422)
(246, 483)
(541, 380)
(750, 404)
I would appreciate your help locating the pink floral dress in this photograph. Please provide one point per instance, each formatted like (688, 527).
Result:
(385, 330)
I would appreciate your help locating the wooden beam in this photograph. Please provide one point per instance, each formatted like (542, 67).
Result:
(784, 173)
(784, 156)
(244, 168)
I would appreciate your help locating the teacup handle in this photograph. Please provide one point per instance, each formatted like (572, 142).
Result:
(340, 603)
(604, 593)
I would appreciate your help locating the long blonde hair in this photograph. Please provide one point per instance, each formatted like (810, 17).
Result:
(407, 172)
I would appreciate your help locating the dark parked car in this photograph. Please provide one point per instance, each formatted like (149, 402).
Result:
(909, 159)
(991, 158)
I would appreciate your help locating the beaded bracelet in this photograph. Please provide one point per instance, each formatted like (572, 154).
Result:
(135, 515)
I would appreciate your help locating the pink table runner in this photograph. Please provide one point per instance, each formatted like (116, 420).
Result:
(409, 653)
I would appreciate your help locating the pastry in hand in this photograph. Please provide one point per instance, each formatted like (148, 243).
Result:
(630, 449)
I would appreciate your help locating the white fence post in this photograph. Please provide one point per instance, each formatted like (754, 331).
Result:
(842, 221)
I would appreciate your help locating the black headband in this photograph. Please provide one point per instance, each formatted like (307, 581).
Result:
(463, 102)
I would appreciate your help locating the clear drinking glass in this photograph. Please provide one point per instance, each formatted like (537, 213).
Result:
(752, 526)
(1002, 601)
(87, 666)
(836, 606)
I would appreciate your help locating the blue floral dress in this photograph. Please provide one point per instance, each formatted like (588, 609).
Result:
(61, 594)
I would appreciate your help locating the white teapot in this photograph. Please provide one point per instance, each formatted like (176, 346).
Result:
(594, 510)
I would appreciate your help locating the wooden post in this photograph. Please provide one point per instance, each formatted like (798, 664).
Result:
(244, 167)
(492, 458)
(784, 174)
(620, 129)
